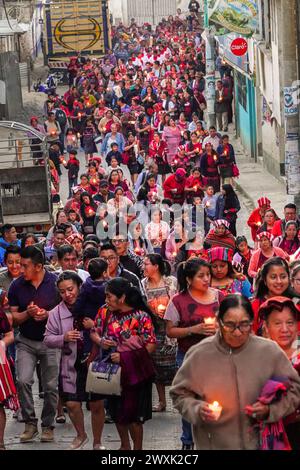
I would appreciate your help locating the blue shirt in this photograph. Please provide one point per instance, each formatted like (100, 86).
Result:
(22, 292)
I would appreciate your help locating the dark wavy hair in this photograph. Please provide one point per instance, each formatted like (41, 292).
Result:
(164, 267)
(261, 286)
(188, 270)
(133, 297)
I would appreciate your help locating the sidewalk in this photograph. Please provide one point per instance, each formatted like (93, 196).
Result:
(255, 182)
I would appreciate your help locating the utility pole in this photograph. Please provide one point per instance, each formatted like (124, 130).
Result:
(210, 62)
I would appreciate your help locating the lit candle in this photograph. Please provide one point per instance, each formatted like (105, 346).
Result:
(225, 152)
(215, 158)
(53, 132)
(221, 98)
(64, 162)
(174, 253)
(90, 212)
(207, 204)
(195, 188)
(175, 162)
(74, 139)
(216, 409)
(209, 321)
(94, 180)
(161, 309)
(78, 135)
(137, 251)
(79, 115)
(258, 223)
(88, 104)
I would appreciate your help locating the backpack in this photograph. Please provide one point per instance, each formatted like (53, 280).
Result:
(61, 117)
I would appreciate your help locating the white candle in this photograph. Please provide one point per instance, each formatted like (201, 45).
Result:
(216, 408)
(161, 309)
(209, 321)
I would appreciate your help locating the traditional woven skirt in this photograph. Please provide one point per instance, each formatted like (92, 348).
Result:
(8, 392)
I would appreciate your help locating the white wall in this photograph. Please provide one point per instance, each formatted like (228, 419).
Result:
(116, 8)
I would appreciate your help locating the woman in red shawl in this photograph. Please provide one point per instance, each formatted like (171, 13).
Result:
(220, 236)
(209, 168)
(194, 185)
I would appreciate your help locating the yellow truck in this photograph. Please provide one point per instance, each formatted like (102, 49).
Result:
(75, 27)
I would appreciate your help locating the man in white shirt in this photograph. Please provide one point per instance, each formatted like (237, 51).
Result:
(68, 260)
(214, 138)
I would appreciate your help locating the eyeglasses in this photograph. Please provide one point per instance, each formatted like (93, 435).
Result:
(109, 258)
(121, 240)
(243, 326)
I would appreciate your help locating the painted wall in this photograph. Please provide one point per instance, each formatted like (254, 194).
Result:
(246, 118)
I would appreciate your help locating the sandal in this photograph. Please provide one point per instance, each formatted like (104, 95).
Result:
(159, 408)
(61, 419)
(78, 443)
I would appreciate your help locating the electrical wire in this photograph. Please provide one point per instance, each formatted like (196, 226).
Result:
(7, 17)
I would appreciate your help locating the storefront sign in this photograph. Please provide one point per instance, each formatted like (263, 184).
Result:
(239, 46)
(238, 16)
(290, 101)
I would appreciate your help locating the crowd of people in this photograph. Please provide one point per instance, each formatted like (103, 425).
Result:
(144, 266)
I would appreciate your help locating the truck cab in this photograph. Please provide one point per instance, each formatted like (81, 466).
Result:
(25, 181)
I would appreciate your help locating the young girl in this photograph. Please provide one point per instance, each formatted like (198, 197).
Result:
(71, 141)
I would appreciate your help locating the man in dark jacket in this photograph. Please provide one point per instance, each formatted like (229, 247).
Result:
(221, 106)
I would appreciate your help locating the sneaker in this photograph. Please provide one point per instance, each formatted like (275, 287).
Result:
(30, 433)
(47, 435)
(187, 447)
(78, 443)
(108, 419)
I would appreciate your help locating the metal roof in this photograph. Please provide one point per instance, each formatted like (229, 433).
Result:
(18, 126)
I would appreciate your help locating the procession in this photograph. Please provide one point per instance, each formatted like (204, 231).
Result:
(155, 296)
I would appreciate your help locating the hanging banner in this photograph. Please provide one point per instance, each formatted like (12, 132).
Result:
(290, 101)
(239, 16)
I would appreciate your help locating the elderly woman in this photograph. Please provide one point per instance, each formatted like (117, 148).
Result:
(191, 316)
(220, 236)
(200, 394)
(266, 251)
(281, 318)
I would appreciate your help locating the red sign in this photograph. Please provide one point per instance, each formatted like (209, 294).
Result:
(239, 46)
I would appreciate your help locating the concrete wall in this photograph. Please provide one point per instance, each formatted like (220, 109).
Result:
(10, 74)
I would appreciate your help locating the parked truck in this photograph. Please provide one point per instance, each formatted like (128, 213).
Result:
(25, 181)
(74, 27)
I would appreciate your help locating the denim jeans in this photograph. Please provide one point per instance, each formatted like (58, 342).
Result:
(29, 352)
(186, 436)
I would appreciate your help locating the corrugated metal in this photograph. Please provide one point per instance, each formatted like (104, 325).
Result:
(150, 11)
(24, 73)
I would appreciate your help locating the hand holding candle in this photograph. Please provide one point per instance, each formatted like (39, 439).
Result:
(216, 409)
(210, 321)
(210, 412)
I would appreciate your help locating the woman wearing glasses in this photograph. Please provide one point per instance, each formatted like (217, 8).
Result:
(191, 316)
(281, 320)
(223, 369)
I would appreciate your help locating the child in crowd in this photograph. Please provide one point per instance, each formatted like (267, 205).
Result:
(114, 153)
(209, 204)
